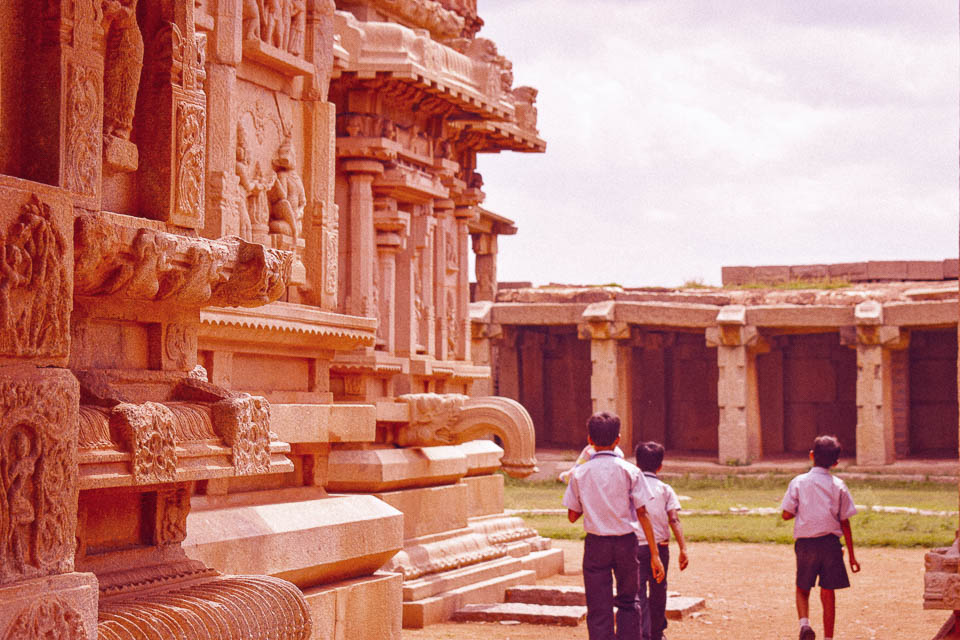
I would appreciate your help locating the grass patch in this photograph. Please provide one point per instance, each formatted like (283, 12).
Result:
(722, 493)
(802, 283)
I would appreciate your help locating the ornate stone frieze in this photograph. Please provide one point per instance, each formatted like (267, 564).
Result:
(437, 419)
(47, 618)
(35, 283)
(145, 264)
(428, 14)
(279, 23)
(38, 474)
(244, 424)
(221, 608)
(147, 431)
(83, 115)
(191, 141)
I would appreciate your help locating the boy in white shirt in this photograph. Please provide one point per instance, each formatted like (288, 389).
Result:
(663, 512)
(822, 506)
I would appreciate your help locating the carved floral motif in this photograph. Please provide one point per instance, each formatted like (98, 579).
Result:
(331, 275)
(244, 424)
(173, 506)
(82, 149)
(147, 431)
(190, 148)
(37, 479)
(35, 295)
(48, 618)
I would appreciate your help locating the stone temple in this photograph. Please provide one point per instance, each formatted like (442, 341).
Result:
(245, 389)
(237, 394)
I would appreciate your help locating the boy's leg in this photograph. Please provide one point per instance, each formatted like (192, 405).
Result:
(645, 577)
(829, 601)
(658, 598)
(598, 585)
(803, 603)
(625, 571)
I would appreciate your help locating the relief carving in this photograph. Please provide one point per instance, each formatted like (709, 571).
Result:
(453, 335)
(123, 61)
(178, 344)
(331, 262)
(81, 150)
(279, 23)
(146, 430)
(432, 417)
(48, 618)
(244, 424)
(173, 506)
(37, 480)
(287, 195)
(190, 148)
(526, 111)
(35, 296)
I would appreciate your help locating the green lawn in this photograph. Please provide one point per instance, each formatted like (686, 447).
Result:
(869, 528)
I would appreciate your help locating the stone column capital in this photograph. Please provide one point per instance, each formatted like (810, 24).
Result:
(726, 335)
(603, 330)
(362, 168)
(873, 335)
(484, 244)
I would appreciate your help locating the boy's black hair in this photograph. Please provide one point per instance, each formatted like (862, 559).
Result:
(826, 451)
(603, 427)
(649, 456)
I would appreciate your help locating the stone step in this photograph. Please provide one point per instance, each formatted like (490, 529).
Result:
(554, 596)
(569, 616)
(441, 607)
(431, 585)
(678, 607)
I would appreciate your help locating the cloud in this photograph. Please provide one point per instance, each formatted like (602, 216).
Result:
(688, 134)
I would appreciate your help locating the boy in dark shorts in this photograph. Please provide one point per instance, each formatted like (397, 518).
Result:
(822, 506)
(612, 495)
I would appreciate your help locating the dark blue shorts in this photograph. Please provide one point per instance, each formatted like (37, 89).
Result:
(820, 557)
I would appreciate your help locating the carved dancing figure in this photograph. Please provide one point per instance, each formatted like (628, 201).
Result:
(254, 204)
(251, 19)
(18, 474)
(271, 16)
(287, 195)
(123, 62)
(297, 26)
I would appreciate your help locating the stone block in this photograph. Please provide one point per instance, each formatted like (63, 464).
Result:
(887, 270)
(36, 237)
(63, 606)
(951, 269)
(569, 616)
(925, 270)
(545, 562)
(852, 271)
(352, 423)
(420, 613)
(307, 542)
(772, 273)
(300, 423)
(484, 495)
(437, 583)
(367, 608)
(429, 510)
(549, 595)
(737, 275)
(679, 607)
(373, 470)
(483, 456)
(809, 272)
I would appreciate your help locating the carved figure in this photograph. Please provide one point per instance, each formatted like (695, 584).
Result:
(190, 148)
(354, 126)
(251, 19)
(123, 61)
(287, 195)
(49, 617)
(255, 207)
(18, 475)
(271, 22)
(297, 26)
(388, 130)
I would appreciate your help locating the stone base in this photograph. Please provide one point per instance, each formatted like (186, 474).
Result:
(429, 510)
(679, 607)
(361, 609)
(62, 606)
(484, 495)
(566, 615)
(439, 608)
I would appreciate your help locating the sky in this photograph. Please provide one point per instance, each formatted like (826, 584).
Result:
(685, 135)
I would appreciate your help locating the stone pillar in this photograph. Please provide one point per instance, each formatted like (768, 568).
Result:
(361, 258)
(611, 353)
(483, 334)
(392, 226)
(39, 404)
(485, 248)
(507, 374)
(740, 435)
(462, 314)
(875, 344)
(446, 264)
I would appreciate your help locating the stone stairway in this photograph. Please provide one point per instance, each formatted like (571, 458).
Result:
(560, 605)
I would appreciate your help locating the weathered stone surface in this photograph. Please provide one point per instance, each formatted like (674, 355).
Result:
(548, 595)
(679, 607)
(569, 616)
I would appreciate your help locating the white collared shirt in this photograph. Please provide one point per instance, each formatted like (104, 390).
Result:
(819, 500)
(664, 500)
(607, 490)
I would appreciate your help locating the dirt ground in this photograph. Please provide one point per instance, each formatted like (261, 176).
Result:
(750, 596)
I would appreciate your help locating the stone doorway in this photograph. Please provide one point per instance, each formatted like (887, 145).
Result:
(933, 416)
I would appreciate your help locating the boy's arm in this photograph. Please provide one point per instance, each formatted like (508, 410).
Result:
(655, 565)
(673, 517)
(848, 539)
(572, 515)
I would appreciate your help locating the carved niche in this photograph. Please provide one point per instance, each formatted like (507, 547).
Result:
(38, 475)
(123, 62)
(278, 23)
(35, 285)
(49, 617)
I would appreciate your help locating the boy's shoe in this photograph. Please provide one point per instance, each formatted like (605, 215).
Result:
(806, 633)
